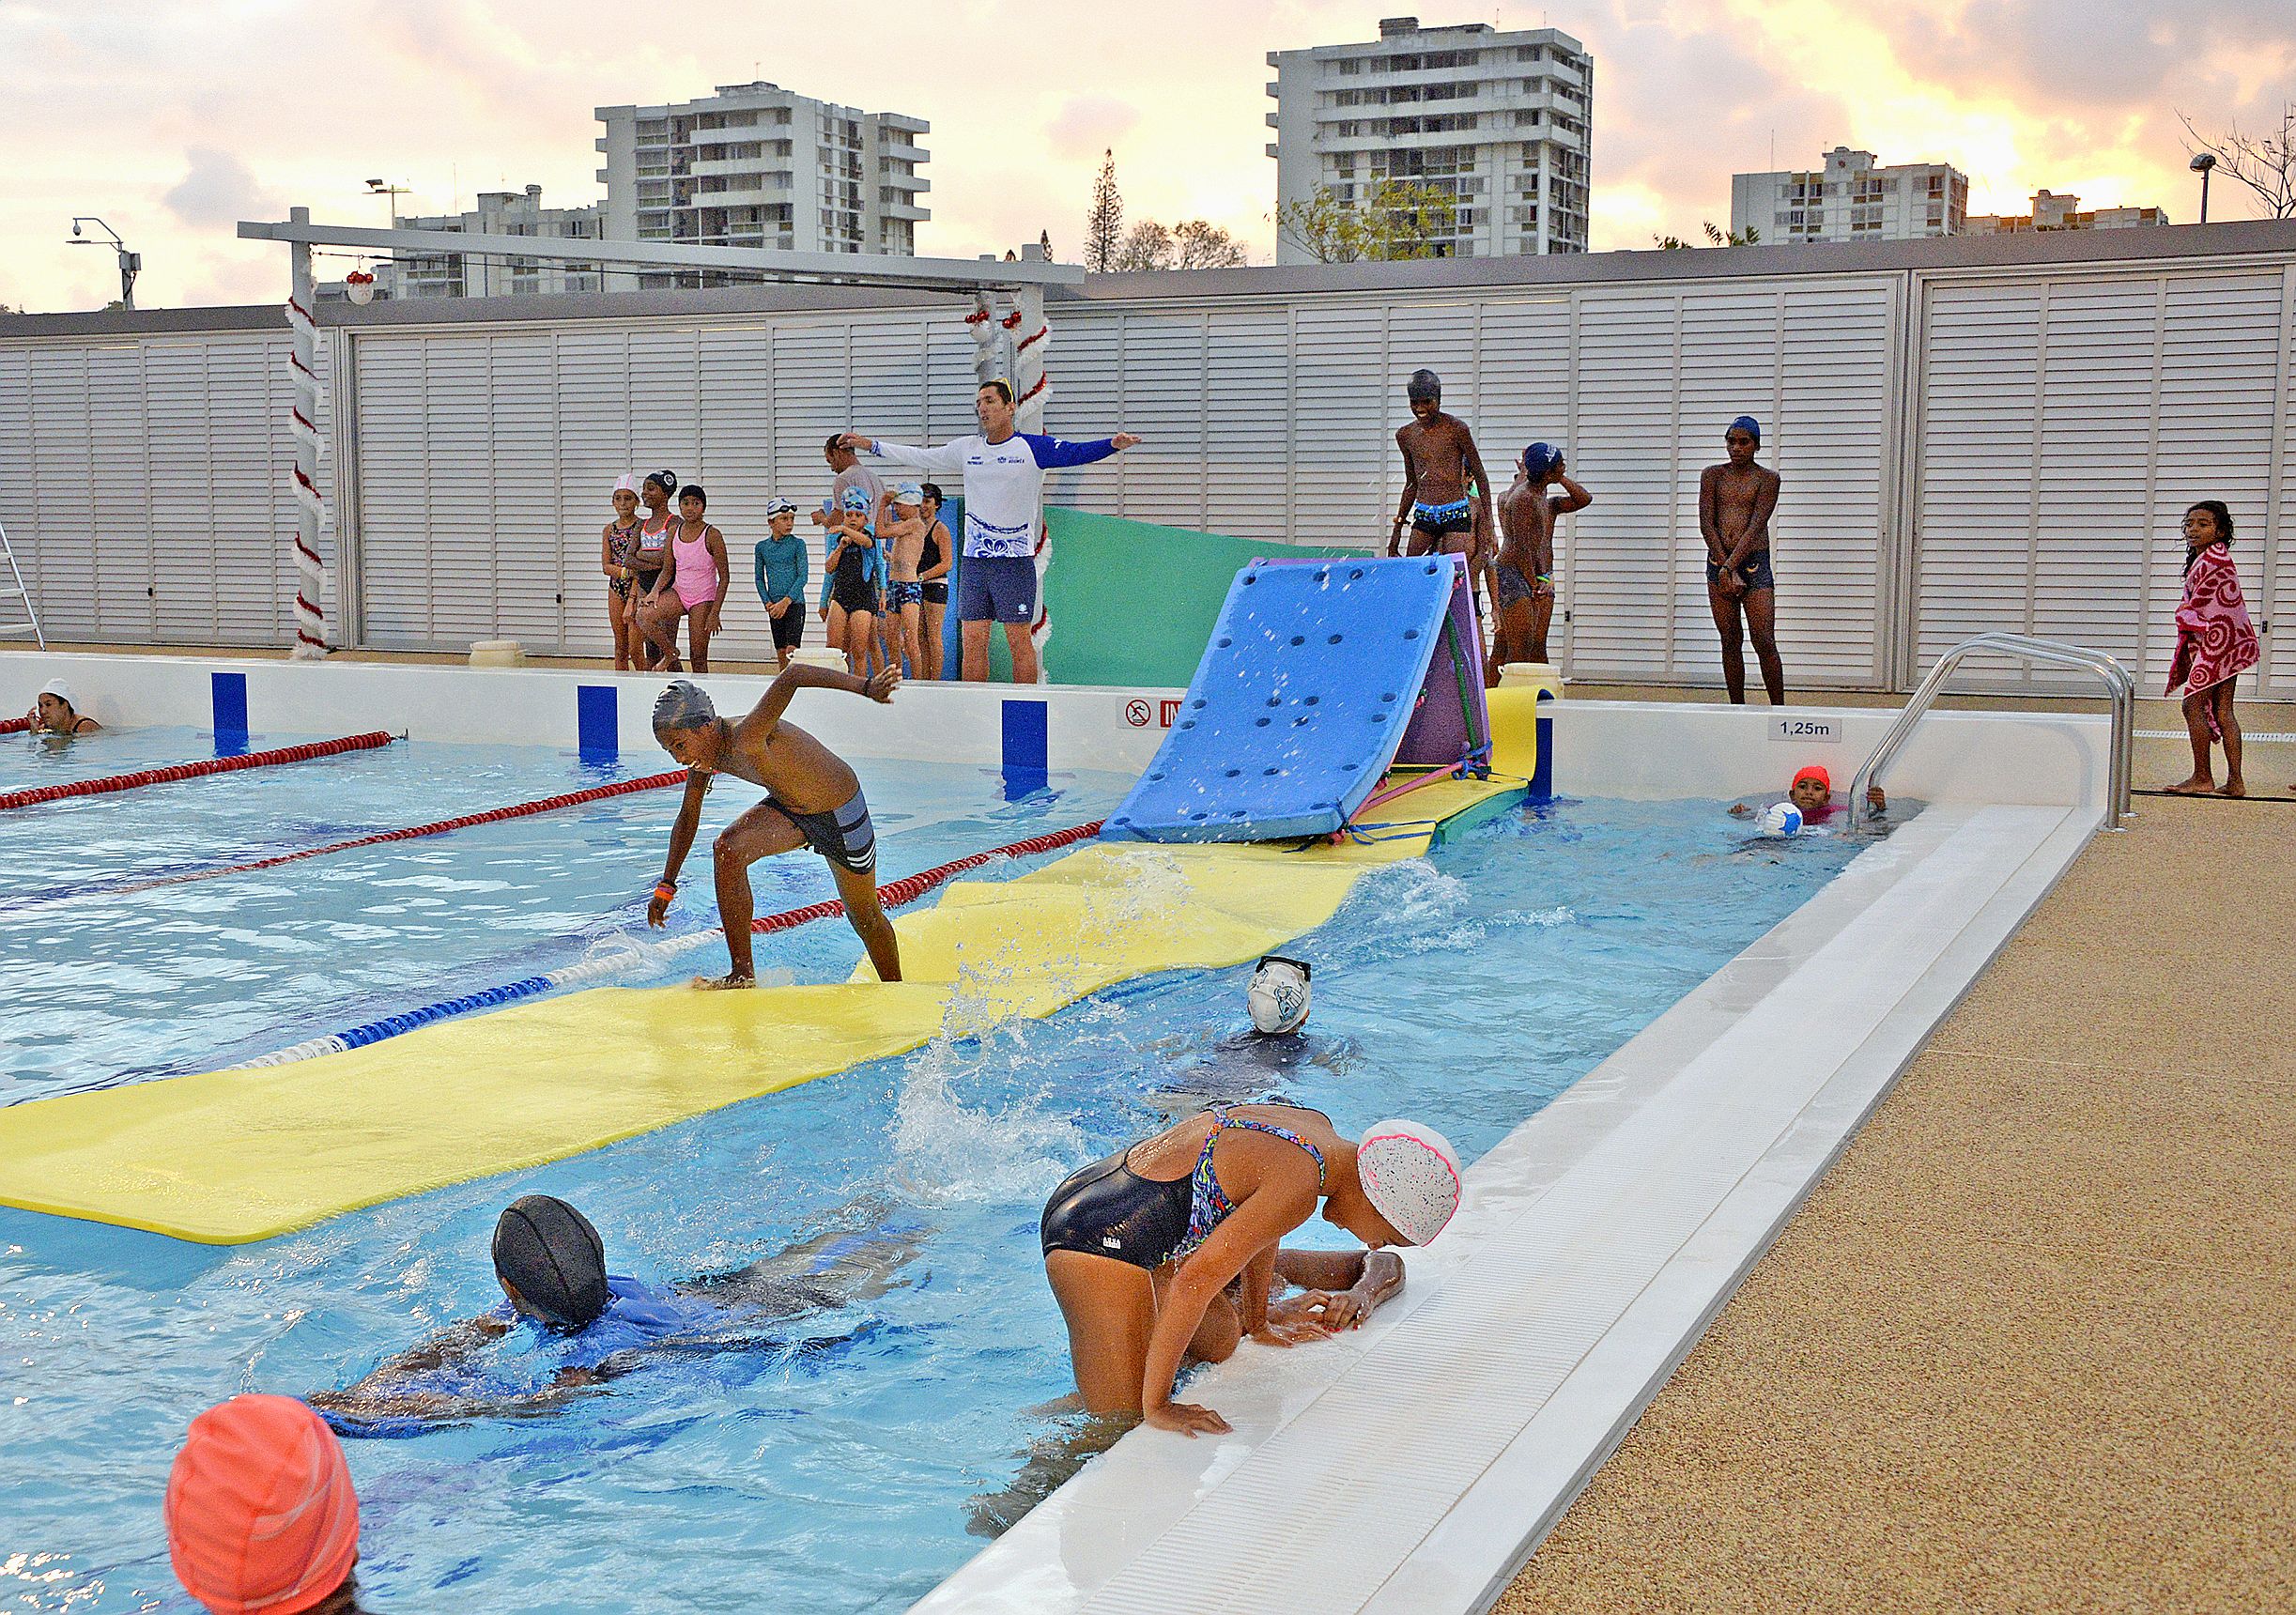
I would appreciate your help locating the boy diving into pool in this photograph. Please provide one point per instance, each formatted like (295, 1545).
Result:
(591, 1327)
(813, 799)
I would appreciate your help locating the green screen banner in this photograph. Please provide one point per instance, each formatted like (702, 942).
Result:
(1132, 603)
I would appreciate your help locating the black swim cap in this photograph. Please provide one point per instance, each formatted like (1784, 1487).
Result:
(666, 481)
(1422, 384)
(550, 1255)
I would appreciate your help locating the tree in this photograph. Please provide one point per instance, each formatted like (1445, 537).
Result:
(1396, 220)
(1105, 227)
(2266, 163)
(1147, 245)
(1199, 244)
(1716, 236)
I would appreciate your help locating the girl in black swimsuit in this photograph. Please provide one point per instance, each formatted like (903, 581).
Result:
(1168, 1250)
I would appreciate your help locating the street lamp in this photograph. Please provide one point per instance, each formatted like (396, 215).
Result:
(390, 193)
(2200, 164)
(131, 264)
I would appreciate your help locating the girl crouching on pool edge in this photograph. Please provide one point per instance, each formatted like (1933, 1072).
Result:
(1141, 1249)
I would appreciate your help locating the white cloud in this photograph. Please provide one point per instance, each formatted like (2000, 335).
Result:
(218, 190)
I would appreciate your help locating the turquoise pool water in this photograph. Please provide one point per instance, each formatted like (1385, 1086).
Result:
(829, 1467)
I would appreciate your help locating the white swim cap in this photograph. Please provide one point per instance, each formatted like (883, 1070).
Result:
(908, 494)
(1278, 996)
(625, 484)
(62, 692)
(1411, 1175)
(1780, 819)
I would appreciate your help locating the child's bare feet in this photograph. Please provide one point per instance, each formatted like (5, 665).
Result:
(2233, 787)
(723, 983)
(2198, 785)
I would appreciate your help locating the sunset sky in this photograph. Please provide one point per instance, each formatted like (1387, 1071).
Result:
(171, 119)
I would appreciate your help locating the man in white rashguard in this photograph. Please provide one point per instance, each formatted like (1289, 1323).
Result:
(1004, 497)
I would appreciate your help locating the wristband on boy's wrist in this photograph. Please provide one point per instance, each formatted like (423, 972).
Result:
(665, 889)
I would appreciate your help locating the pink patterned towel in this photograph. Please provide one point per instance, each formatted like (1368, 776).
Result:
(2215, 640)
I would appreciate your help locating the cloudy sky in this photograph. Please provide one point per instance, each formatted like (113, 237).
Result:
(173, 118)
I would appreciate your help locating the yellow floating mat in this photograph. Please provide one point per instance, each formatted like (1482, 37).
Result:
(228, 1157)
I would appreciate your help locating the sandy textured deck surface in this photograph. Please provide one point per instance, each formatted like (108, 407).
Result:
(2031, 1344)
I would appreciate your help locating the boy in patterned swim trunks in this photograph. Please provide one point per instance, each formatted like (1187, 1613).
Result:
(904, 540)
(813, 799)
(1439, 461)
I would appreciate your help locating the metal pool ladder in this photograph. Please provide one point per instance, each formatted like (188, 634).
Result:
(14, 589)
(2057, 653)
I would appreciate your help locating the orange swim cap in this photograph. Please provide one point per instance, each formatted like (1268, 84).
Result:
(261, 1518)
(1816, 772)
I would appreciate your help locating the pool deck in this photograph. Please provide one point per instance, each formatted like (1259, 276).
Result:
(2029, 1344)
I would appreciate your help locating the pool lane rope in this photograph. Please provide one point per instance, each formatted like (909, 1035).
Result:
(15, 725)
(107, 784)
(411, 831)
(905, 891)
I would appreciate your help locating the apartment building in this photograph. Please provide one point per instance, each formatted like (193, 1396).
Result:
(471, 275)
(1849, 199)
(1499, 121)
(756, 165)
(2052, 211)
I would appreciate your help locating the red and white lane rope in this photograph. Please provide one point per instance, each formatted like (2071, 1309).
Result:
(107, 784)
(14, 725)
(905, 891)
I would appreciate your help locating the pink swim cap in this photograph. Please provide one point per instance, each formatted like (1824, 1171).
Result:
(261, 1518)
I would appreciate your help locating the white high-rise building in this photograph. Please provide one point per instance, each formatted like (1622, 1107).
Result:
(756, 165)
(1849, 199)
(2054, 211)
(496, 213)
(1499, 121)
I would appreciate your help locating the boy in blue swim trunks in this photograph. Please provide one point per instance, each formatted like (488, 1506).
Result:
(589, 1326)
(1440, 464)
(1736, 501)
(903, 537)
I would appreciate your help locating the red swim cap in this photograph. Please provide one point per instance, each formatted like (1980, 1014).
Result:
(1816, 772)
(261, 1518)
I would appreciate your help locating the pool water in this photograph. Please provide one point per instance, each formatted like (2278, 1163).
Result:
(831, 1468)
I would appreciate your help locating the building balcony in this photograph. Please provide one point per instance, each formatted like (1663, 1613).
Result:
(740, 168)
(905, 181)
(602, 179)
(902, 152)
(1271, 148)
(904, 210)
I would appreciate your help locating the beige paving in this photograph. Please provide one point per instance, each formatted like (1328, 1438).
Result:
(2031, 1345)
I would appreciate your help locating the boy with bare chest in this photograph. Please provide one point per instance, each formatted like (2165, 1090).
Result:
(1440, 460)
(1522, 581)
(1736, 501)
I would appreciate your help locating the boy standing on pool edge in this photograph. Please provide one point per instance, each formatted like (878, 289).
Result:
(813, 799)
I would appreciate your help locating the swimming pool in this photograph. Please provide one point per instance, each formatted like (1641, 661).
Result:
(833, 1470)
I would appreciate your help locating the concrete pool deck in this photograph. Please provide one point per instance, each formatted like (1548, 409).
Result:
(2029, 1344)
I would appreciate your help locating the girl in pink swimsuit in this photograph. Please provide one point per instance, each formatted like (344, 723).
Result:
(693, 583)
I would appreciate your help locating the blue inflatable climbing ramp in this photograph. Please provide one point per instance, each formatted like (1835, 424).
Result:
(1315, 670)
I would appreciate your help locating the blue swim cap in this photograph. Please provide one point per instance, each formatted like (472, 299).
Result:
(1746, 424)
(857, 498)
(1540, 458)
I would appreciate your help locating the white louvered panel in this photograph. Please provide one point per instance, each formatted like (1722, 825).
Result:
(737, 469)
(950, 382)
(1974, 472)
(190, 581)
(1087, 365)
(810, 401)
(1828, 441)
(2219, 374)
(59, 522)
(1523, 397)
(1621, 561)
(251, 388)
(1248, 488)
(458, 412)
(118, 500)
(1164, 399)
(664, 427)
(1728, 368)
(597, 447)
(2278, 545)
(1342, 450)
(2089, 525)
(518, 540)
(396, 492)
(18, 501)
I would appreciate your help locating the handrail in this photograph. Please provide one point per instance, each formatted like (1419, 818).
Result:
(31, 612)
(2058, 652)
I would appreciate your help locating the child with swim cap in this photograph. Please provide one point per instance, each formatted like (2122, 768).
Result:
(1811, 798)
(1167, 1250)
(261, 1516)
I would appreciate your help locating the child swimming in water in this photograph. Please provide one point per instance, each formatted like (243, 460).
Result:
(1811, 794)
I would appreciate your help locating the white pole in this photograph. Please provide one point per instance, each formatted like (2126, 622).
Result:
(310, 511)
(1032, 386)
